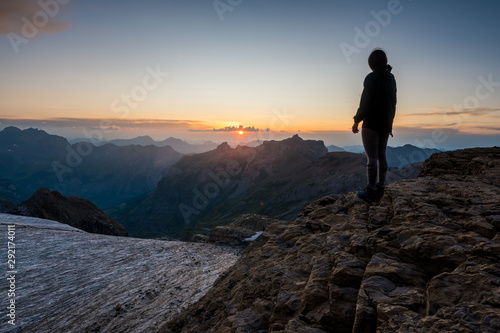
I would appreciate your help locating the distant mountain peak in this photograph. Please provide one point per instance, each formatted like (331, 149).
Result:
(295, 139)
(224, 147)
(11, 129)
(31, 136)
(172, 139)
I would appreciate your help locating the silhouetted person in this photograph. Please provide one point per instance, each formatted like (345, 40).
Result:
(376, 110)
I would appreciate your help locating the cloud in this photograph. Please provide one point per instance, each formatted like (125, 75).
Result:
(453, 111)
(489, 128)
(16, 15)
(94, 123)
(424, 130)
(234, 129)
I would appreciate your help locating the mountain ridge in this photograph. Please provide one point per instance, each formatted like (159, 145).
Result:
(275, 179)
(178, 145)
(106, 175)
(213, 176)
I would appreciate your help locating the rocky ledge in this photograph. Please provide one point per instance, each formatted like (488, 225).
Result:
(426, 259)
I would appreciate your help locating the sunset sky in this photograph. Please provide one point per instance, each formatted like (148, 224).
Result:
(203, 69)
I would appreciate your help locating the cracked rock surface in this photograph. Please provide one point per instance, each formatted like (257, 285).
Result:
(426, 259)
(69, 280)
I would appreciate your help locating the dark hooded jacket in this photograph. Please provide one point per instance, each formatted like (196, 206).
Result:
(378, 101)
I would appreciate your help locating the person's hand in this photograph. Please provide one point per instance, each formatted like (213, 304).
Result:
(355, 128)
(390, 133)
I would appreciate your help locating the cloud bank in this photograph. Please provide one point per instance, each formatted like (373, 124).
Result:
(20, 16)
(228, 129)
(453, 112)
(103, 124)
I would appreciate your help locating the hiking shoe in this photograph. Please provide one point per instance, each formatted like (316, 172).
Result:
(368, 194)
(380, 191)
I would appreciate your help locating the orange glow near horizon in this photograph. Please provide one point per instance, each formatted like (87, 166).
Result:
(298, 123)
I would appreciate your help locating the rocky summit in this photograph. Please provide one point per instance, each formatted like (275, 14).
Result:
(424, 259)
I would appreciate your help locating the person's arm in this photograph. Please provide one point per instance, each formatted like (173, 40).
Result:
(366, 99)
(355, 127)
(394, 99)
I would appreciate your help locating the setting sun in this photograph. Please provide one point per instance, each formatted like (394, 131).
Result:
(241, 132)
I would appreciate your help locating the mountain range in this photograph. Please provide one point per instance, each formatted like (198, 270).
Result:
(396, 156)
(106, 175)
(157, 191)
(275, 179)
(178, 145)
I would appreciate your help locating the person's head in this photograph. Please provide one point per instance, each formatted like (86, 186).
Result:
(377, 60)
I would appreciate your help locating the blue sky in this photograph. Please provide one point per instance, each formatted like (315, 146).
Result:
(184, 68)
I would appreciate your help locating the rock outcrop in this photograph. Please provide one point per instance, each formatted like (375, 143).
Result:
(426, 259)
(240, 230)
(470, 165)
(74, 211)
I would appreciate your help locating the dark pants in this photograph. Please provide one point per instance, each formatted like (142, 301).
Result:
(375, 144)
